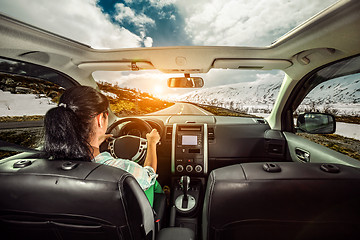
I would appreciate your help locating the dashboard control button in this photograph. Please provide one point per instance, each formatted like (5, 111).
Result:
(189, 168)
(198, 168)
(179, 168)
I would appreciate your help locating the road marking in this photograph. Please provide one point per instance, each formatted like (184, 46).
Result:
(182, 109)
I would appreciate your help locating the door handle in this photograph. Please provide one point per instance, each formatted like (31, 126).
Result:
(302, 155)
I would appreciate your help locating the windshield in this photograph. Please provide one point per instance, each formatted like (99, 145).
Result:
(226, 92)
(153, 23)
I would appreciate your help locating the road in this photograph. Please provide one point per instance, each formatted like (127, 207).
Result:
(16, 125)
(182, 109)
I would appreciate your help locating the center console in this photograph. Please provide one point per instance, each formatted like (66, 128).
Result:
(189, 149)
(189, 167)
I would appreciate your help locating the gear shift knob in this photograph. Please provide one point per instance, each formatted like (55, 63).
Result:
(184, 183)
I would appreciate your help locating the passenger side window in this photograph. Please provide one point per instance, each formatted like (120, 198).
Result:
(27, 92)
(339, 96)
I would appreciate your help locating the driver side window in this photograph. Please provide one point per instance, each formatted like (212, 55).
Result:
(27, 92)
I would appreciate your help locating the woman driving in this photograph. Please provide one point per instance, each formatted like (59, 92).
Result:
(76, 128)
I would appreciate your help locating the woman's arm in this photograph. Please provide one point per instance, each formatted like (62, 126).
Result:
(151, 159)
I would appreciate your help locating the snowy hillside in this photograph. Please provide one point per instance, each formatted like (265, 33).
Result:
(257, 96)
(339, 97)
(334, 96)
(24, 104)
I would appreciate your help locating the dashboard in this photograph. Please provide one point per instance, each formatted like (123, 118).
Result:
(195, 145)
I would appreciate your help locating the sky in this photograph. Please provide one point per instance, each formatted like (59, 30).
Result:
(151, 23)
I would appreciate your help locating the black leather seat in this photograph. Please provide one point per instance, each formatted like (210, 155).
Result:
(43, 199)
(288, 201)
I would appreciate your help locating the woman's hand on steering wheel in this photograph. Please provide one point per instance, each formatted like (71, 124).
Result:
(153, 137)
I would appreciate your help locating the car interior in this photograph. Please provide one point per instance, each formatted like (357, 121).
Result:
(226, 177)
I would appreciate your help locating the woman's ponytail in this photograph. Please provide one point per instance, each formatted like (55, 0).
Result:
(68, 127)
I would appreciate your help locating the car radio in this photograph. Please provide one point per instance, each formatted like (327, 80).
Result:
(189, 153)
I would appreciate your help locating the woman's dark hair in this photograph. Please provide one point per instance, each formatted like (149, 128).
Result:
(68, 127)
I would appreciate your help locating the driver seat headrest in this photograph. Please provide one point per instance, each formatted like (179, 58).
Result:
(47, 199)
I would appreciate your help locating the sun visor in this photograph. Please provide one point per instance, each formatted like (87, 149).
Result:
(115, 66)
(263, 64)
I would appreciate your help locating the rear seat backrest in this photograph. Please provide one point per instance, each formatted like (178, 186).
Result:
(80, 200)
(301, 201)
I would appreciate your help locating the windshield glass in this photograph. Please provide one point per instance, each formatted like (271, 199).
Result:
(225, 92)
(153, 23)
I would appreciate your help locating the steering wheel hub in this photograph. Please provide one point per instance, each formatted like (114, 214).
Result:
(128, 147)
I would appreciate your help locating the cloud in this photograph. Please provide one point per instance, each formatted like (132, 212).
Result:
(124, 13)
(81, 20)
(244, 22)
(148, 41)
(162, 3)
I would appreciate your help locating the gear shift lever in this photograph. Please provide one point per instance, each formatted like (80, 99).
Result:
(184, 183)
(185, 202)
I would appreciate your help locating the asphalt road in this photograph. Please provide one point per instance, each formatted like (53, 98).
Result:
(182, 109)
(16, 125)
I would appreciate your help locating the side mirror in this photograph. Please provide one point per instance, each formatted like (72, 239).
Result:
(185, 82)
(322, 123)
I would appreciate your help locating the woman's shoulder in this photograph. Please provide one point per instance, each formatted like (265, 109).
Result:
(102, 157)
(106, 158)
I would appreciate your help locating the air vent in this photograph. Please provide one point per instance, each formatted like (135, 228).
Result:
(168, 133)
(275, 148)
(211, 134)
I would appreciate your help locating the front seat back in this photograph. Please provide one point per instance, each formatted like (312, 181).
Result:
(282, 201)
(44, 199)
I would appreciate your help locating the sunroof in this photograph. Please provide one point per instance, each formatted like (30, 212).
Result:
(153, 23)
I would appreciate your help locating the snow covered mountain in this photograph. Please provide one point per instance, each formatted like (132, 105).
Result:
(338, 96)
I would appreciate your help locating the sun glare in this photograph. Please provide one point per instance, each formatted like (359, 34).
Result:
(158, 89)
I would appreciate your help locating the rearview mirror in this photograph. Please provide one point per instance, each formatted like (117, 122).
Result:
(316, 123)
(185, 82)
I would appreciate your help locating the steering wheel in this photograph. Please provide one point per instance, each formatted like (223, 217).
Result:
(127, 146)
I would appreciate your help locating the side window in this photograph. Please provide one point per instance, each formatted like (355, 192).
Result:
(27, 92)
(337, 92)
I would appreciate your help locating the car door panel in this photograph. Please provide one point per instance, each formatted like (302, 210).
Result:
(303, 150)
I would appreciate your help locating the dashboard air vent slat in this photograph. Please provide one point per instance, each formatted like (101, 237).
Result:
(168, 133)
(211, 134)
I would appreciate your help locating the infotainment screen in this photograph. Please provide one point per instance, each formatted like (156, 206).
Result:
(189, 140)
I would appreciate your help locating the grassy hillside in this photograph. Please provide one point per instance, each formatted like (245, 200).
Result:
(125, 101)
